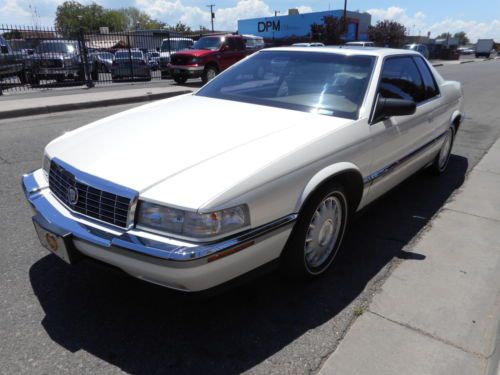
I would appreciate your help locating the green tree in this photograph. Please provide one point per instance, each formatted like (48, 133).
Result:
(181, 28)
(444, 36)
(462, 37)
(138, 20)
(70, 15)
(390, 33)
(329, 32)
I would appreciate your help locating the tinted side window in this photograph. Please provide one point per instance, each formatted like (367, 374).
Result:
(233, 44)
(401, 80)
(431, 89)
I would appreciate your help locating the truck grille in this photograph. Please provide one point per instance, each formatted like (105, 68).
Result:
(53, 63)
(180, 59)
(87, 200)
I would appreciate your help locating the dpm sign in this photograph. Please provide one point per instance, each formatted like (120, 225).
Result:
(268, 25)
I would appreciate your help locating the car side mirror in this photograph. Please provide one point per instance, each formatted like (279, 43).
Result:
(4, 49)
(388, 107)
(224, 48)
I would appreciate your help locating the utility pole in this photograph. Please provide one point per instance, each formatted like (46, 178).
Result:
(212, 15)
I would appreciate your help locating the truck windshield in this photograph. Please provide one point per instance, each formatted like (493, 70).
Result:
(175, 45)
(56, 47)
(324, 83)
(211, 43)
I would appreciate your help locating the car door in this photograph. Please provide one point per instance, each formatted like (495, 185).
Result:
(230, 54)
(400, 145)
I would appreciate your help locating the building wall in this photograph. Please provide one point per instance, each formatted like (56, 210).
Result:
(300, 25)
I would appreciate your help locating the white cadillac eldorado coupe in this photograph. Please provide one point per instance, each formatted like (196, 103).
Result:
(264, 165)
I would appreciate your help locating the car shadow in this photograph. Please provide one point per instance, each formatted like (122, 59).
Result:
(146, 329)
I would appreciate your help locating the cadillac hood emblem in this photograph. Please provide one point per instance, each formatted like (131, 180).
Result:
(72, 195)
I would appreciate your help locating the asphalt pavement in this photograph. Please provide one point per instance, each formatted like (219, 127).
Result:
(82, 319)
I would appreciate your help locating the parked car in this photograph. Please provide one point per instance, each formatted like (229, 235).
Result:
(253, 43)
(360, 44)
(153, 58)
(11, 63)
(466, 51)
(314, 44)
(58, 60)
(263, 166)
(169, 47)
(485, 47)
(130, 65)
(421, 48)
(102, 61)
(210, 56)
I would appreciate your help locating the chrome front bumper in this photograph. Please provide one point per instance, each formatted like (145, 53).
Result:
(166, 261)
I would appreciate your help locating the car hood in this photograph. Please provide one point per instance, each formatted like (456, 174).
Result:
(171, 146)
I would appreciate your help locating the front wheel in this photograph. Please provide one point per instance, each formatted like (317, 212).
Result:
(442, 159)
(318, 233)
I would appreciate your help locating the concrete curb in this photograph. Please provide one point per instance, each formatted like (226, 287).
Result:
(89, 104)
(436, 65)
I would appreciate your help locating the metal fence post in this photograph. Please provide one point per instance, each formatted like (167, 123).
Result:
(85, 60)
(130, 58)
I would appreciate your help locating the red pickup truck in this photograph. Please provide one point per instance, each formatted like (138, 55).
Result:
(210, 56)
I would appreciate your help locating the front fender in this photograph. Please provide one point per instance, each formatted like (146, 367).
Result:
(326, 174)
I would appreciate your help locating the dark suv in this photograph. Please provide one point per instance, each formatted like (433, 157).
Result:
(11, 63)
(210, 56)
(59, 60)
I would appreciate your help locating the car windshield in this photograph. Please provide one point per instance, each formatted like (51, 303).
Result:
(56, 47)
(175, 45)
(212, 43)
(124, 55)
(325, 83)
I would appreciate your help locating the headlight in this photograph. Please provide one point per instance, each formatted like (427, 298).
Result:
(192, 224)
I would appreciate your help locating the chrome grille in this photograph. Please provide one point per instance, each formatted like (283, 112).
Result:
(87, 200)
(52, 63)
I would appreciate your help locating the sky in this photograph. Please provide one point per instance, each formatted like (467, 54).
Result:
(478, 18)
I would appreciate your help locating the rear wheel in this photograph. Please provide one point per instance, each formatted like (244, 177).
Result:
(34, 79)
(180, 79)
(95, 74)
(443, 157)
(22, 77)
(318, 233)
(209, 73)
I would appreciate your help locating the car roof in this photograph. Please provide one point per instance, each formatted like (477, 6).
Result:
(178, 38)
(58, 41)
(348, 50)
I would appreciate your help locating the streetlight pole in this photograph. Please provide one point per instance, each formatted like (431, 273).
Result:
(212, 15)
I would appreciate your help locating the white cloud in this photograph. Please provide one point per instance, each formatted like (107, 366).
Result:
(12, 10)
(173, 11)
(417, 23)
